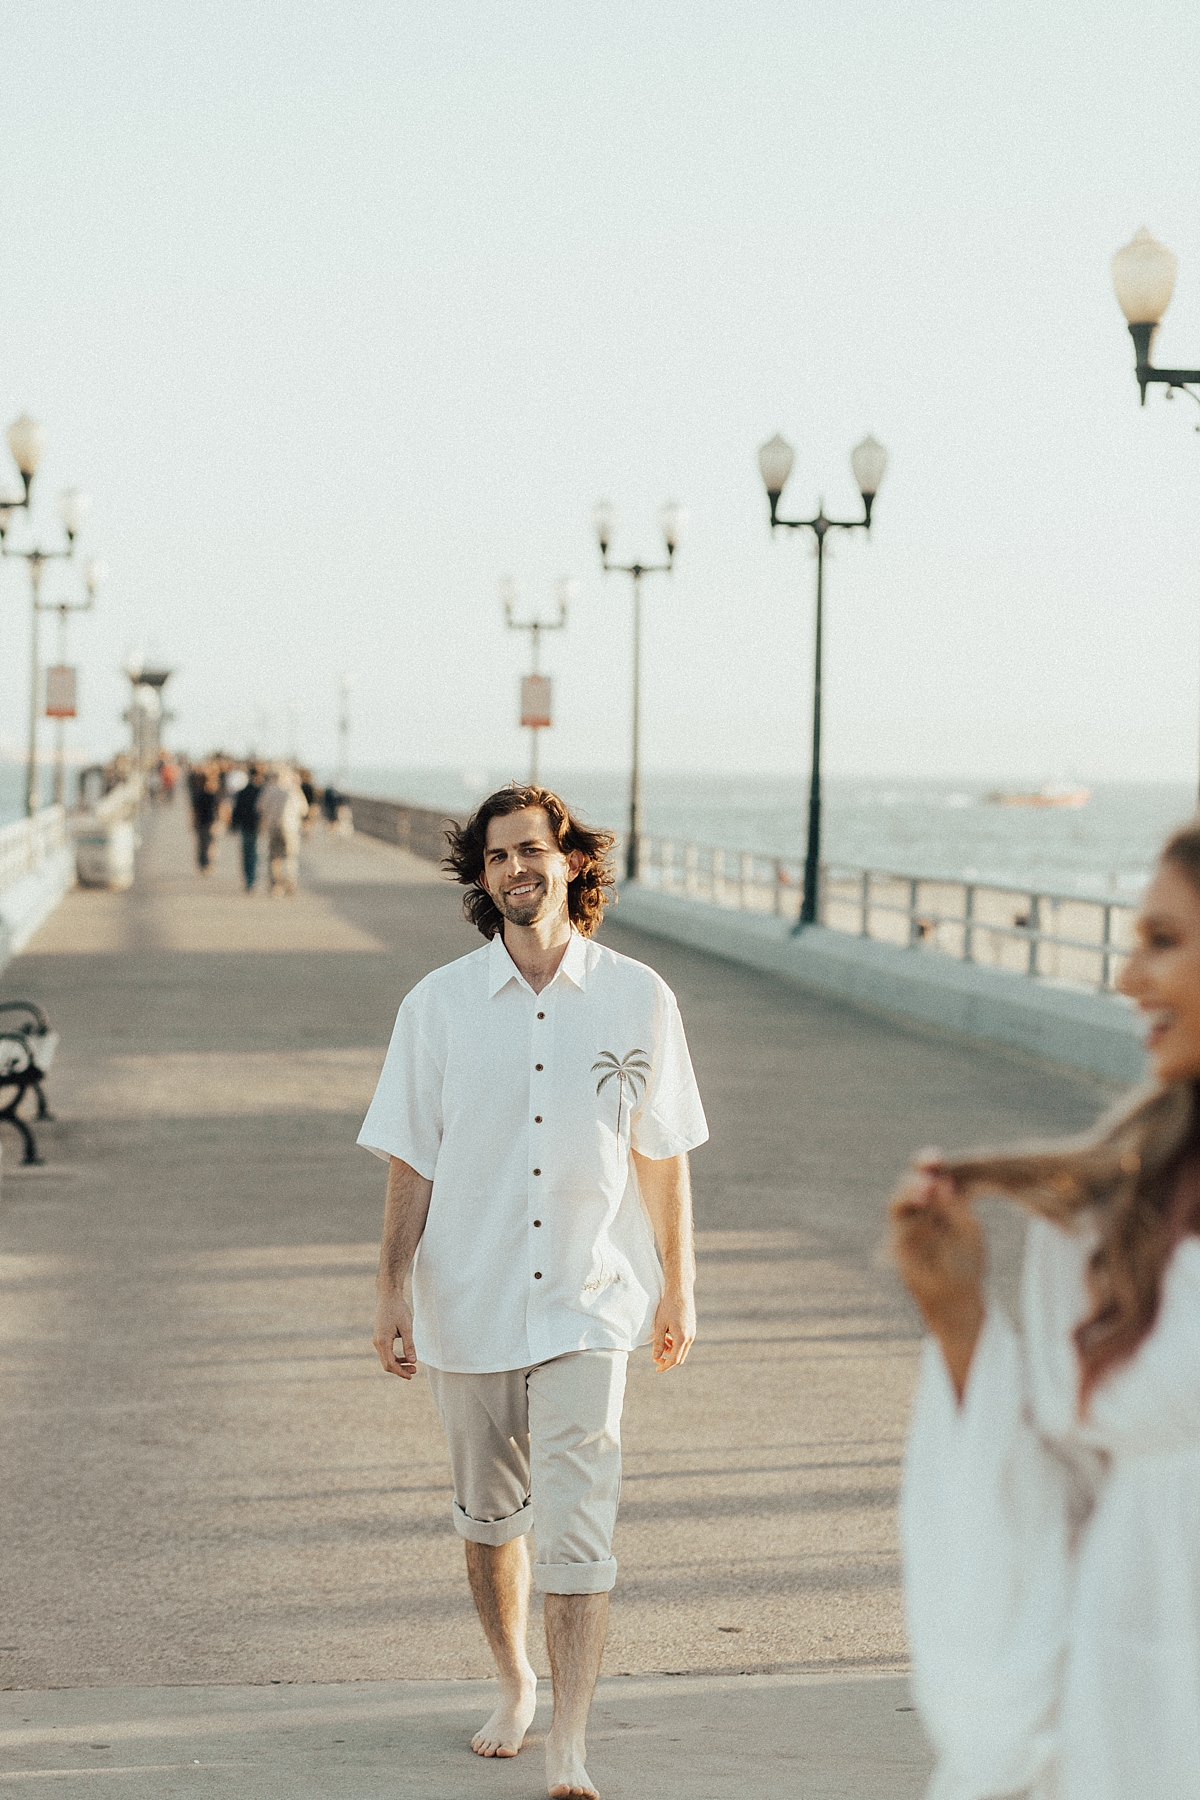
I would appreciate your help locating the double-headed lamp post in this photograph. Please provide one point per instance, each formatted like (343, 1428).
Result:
(672, 519)
(94, 572)
(535, 687)
(868, 461)
(27, 440)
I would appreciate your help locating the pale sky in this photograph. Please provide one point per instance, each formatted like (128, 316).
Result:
(342, 312)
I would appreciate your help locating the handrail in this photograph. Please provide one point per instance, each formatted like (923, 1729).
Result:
(1080, 940)
(26, 843)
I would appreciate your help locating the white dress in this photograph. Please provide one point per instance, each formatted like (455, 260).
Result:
(1052, 1567)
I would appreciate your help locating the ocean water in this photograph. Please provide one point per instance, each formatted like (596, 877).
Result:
(12, 789)
(950, 828)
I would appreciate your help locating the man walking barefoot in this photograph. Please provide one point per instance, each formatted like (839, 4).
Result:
(536, 1110)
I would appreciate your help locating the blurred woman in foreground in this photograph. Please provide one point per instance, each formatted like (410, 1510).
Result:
(1051, 1511)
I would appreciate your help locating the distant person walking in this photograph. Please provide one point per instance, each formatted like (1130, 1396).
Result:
(283, 808)
(204, 785)
(536, 1111)
(1051, 1500)
(246, 819)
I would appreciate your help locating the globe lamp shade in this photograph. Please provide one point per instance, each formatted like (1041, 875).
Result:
(73, 509)
(94, 572)
(604, 521)
(869, 463)
(26, 440)
(673, 519)
(1143, 277)
(775, 465)
(510, 593)
(567, 592)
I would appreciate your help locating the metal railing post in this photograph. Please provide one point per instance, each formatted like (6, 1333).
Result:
(1106, 950)
(913, 934)
(778, 887)
(968, 922)
(864, 903)
(1034, 928)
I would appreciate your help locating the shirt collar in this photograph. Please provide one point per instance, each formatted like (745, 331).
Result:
(502, 969)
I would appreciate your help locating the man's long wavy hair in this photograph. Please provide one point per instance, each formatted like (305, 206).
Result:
(587, 896)
(1137, 1174)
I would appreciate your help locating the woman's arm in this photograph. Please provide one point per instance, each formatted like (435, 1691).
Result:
(938, 1247)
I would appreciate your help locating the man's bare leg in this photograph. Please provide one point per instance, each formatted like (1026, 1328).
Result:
(576, 1626)
(499, 1575)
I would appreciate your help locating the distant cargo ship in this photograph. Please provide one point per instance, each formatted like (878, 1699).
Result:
(1046, 796)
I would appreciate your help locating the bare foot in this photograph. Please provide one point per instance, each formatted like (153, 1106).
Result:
(505, 1731)
(565, 1773)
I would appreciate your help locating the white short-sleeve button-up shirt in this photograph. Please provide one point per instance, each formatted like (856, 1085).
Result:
(522, 1109)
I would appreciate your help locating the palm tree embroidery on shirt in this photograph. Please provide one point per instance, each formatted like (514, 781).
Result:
(629, 1071)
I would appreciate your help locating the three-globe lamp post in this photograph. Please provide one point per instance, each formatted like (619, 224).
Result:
(672, 519)
(868, 462)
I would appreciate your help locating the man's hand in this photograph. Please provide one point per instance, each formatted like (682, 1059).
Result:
(404, 1213)
(674, 1328)
(393, 1338)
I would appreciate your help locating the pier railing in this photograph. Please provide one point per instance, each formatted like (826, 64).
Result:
(26, 843)
(1068, 938)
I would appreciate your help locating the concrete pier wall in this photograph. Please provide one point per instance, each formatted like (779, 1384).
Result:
(1096, 1032)
(416, 828)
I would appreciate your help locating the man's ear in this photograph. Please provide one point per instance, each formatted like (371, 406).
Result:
(575, 862)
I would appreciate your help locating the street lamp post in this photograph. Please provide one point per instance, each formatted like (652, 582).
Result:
(26, 440)
(672, 519)
(868, 462)
(345, 689)
(1143, 277)
(94, 572)
(535, 687)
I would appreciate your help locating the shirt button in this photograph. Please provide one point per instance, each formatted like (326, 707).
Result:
(538, 1067)
(537, 1221)
(537, 1171)
(537, 1118)
(541, 1015)
(537, 1274)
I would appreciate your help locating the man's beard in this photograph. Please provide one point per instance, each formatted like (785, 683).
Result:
(528, 909)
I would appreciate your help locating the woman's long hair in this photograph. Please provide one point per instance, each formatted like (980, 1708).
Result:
(1133, 1173)
(587, 895)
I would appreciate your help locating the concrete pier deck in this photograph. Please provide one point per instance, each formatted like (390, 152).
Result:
(226, 1544)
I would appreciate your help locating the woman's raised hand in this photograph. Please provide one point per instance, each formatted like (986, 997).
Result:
(938, 1246)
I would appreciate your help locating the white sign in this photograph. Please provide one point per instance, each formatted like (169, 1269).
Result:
(60, 692)
(535, 700)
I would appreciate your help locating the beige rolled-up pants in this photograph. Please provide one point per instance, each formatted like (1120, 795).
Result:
(539, 1449)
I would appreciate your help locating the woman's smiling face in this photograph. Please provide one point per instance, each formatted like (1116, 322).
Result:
(1163, 974)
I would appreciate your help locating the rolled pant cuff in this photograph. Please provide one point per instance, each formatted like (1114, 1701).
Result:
(575, 1578)
(492, 1531)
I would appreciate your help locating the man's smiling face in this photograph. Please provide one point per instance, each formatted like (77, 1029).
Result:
(524, 871)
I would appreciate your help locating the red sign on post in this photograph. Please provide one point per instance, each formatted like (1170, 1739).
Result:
(535, 700)
(60, 692)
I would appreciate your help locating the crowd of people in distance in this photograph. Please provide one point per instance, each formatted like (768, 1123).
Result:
(248, 798)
